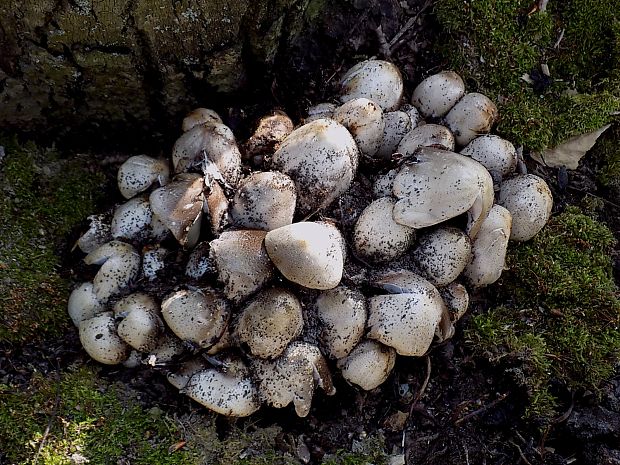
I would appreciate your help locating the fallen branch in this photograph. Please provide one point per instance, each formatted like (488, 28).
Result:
(482, 409)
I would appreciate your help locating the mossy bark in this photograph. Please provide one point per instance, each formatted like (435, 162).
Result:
(105, 64)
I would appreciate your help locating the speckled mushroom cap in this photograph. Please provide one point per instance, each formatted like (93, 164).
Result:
(437, 94)
(494, 153)
(141, 325)
(456, 298)
(99, 339)
(368, 365)
(292, 377)
(364, 120)
(98, 233)
(528, 199)
(120, 265)
(489, 250)
(321, 157)
(396, 125)
(376, 80)
(342, 318)
(405, 320)
(440, 185)
(264, 200)
(214, 141)
(132, 219)
(377, 237)
(427, 135)
(473, 115)
(200, 116)
(83, 303)
(199, 316)
(441, 255)
(231, 393)
(169, 348)
(269, 322)
(138, 173)
(384, 184)
(320, 110)
(242, 262)
(307, 253)
(179, 206)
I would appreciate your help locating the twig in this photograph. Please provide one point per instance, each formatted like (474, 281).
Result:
(395, 42)
(526, 461)
(48, 427)
(482, 409)
(557, 42)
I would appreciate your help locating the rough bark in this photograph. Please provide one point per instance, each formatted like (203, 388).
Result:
(82, 67)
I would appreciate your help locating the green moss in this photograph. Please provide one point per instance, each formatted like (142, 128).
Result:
(43, 197)
(494, 43)
(607, 154)
(55, 421)
(369, 451)
(564, 315)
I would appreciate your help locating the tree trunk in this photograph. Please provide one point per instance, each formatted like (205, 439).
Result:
(79, 68)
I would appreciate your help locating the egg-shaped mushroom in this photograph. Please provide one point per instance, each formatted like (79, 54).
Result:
(200, 116)
(441, 255)
(384, 184)
(138, 173)
(377, 237)
(132, 220)
(269, 322)
(364, 120)
(264, 200)
(320, 110)
(437, 94)
(368, 365)
(120, 265)
(100, 340)
(98, 234)
(376, 80)
(494, 153)
(141, 325)
(83, 303)
(199, 316)
(321, 157)
(528, 199)
(397, 124)
(427, 135)
(473, 115)
(456, 298)
(307, 253)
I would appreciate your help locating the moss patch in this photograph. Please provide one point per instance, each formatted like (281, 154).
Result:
(564, 315)
(607, 153)
(43, 197)
(492, 44)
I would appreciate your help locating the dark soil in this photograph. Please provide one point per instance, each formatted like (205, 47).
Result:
(468, 412)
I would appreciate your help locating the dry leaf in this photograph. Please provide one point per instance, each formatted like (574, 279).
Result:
(177, 446)
(570, 152)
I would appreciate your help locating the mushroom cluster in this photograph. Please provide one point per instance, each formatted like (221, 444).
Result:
(244, 272)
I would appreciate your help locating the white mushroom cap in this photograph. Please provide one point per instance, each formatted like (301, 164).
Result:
(153, 261)
(268, 323)
(292, 377)
(141, 325)
(441, 255)
(83, 303)
(364, 120)
(489, 249)
(397, 124)
(528, 198)
(384, 184)
(377, 237)
(437, 94)
(493, 152)
(307, 253)
(199, 263)
(98, 234)
(441, 185)
(99, 339)
(200, 116)
(138, 173)
(188, 368)
(321, 157)
(242, 262)
(342, 316)
(427, 135)
(132, 219)
(456, 298)
(407, 320)
(120, 265)
(231, 393)
(320, 110)
(473, 115)
(376, 80)
(199, 316)
(368, 365)
(214, 141)
(264, 200)
(413, 113)
(179, 206)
